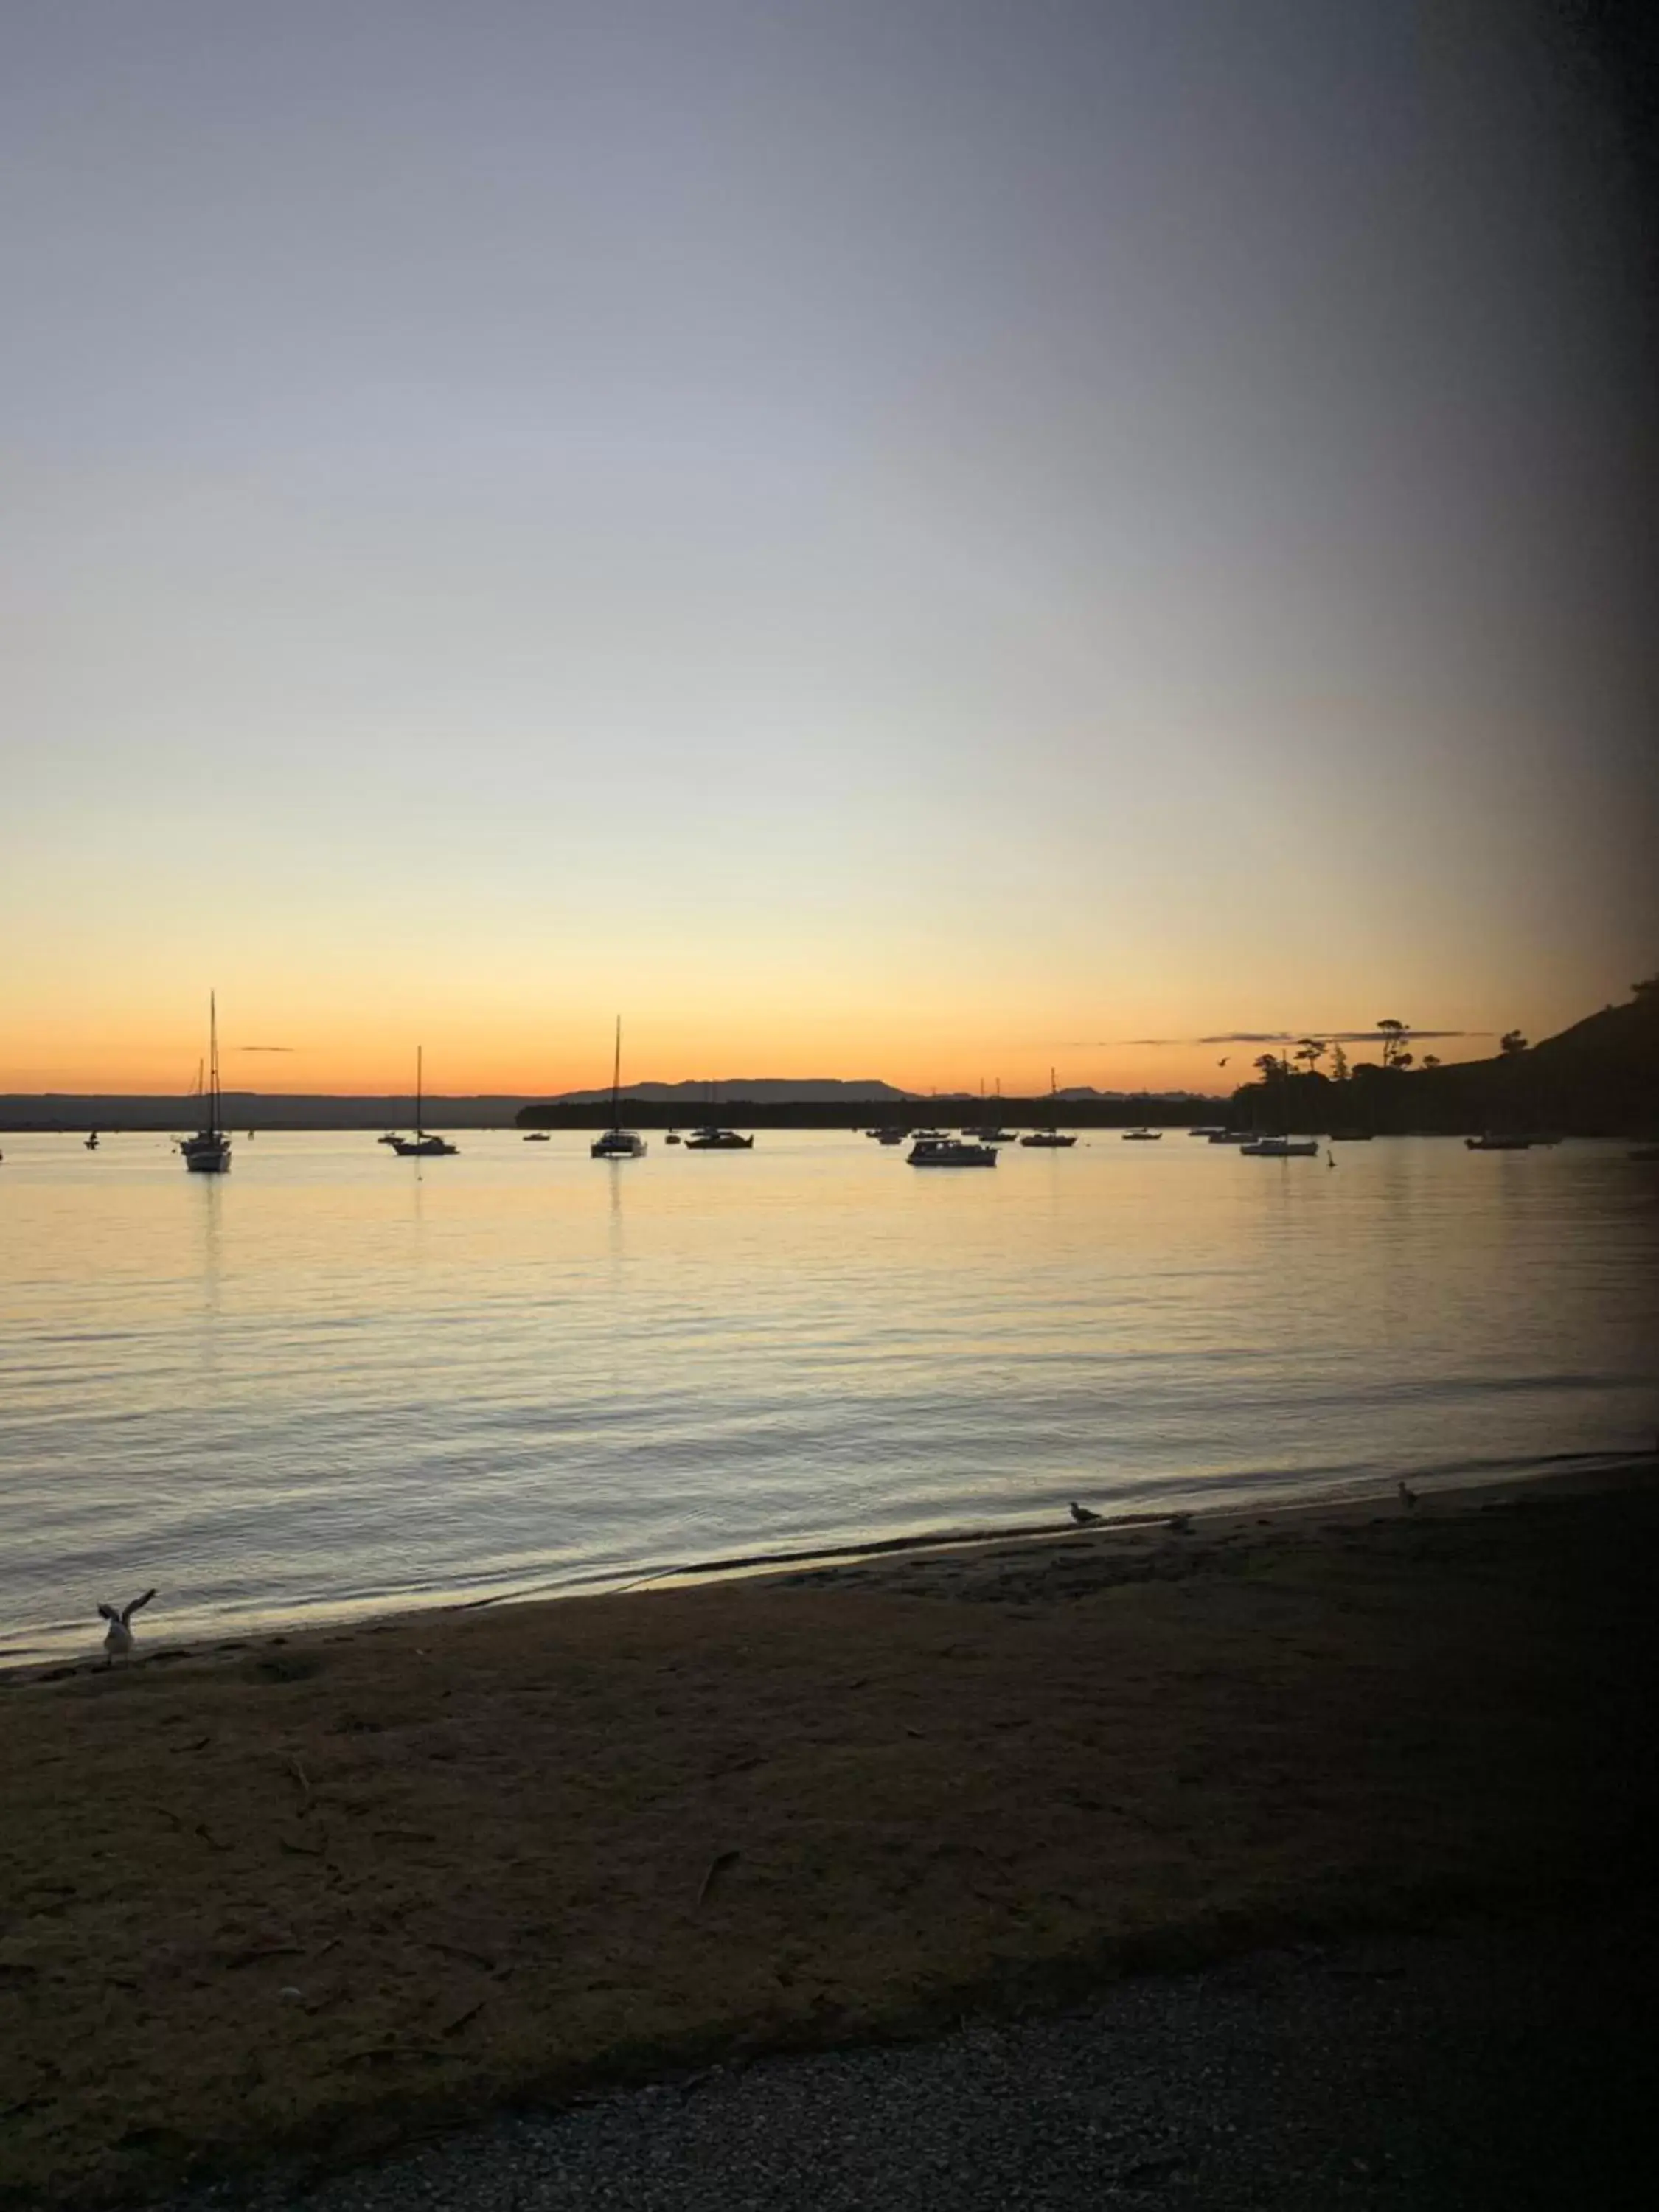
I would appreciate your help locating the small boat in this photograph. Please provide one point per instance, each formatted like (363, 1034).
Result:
(208, 1152)
(950, 1152)
(892, 1136)
(992, 1135)
(1202, 1129)
(617, 1143)
(537, 1137)
(392, 1137)
(425, 1144)
(1141, 1136)
(1352, 1136)
(92, 1140)
(1489, 1143)
(672, 1138)
(1282, 1148)
(931, 1136)
(1233, 1137)
(711, 1139)
(1049, 1140)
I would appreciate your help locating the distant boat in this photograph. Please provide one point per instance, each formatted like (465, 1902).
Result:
(672, 1138)
(1489, 1143)
(1232, 1136)
(617, 1143)
(892, 1136)
(1049, 1140)
(424, 1145)
(392, 1137)
(713, 1140)
(92, 1140)
(1352, 1136)
(991, 1135)
(1281, 1148)
(537, 1137)
(208, 1152)
(950, 1152)
(1202, 1129)
(1142, 1136)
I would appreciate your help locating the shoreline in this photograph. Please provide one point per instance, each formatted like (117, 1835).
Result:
(304, 1894)
(827, 1562)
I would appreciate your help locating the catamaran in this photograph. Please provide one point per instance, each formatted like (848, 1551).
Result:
(617, 1143)
(208, 1152)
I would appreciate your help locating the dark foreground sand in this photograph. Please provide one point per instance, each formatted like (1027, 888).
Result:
(315, 1895)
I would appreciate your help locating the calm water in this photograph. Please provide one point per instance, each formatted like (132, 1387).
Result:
(337, 1379)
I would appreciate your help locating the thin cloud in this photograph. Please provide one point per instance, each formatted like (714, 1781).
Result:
(1272, 1036)
(267, 1048)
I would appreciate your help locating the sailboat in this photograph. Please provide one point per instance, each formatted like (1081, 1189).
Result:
(617, 1143)
(208, 1152)
(1050, 1139)
(424, 1145)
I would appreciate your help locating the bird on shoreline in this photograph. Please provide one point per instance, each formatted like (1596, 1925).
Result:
(1082, 1516)
(117, 1637)
(1407, 1496)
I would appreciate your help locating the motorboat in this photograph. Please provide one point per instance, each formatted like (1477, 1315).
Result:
(208, 1152)
(672, 1138)
(892, 1136)
(617, 1143)
(990, 1136)
(537, 1137)
(1202, 1129)
(1281, 1148)
(1142, 1136)
(425, 1144)
(930, 1136)
(711, 1139)
(1489, 1143)
(950, 1152)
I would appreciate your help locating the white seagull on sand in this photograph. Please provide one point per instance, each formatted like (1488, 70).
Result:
(1084, 1518)
(117, 1637)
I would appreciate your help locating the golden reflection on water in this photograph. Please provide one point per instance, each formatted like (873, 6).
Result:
(335, 1377)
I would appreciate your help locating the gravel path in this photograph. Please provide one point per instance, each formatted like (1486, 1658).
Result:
(1483, 2068)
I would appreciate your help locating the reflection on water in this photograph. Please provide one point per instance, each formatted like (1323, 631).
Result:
(334, 1378)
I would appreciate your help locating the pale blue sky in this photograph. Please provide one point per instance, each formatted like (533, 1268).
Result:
(935, 528)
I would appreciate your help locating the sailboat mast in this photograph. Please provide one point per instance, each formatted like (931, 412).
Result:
(616, 1077)
(420, 1129)
(213, 1063)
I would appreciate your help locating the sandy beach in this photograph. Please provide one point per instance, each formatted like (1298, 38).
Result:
(309, 1895)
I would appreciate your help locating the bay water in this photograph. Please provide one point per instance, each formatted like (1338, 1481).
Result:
(336, 1382)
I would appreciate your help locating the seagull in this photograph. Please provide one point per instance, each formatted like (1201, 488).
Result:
(1082, 1516)
(1407, 1496)
(1222, 1062)
(117, 1637)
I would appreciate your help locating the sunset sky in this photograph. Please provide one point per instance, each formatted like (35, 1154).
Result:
(919, 538)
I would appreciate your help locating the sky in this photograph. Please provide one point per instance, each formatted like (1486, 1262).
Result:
(931, 539)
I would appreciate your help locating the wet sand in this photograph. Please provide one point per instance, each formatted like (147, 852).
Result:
(305, 1896)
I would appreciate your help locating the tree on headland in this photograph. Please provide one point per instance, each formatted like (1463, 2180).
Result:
(1430, 1059)
(1512, 1041)
(1339, 1064)
(1394, 1035)
(1310, 1052)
